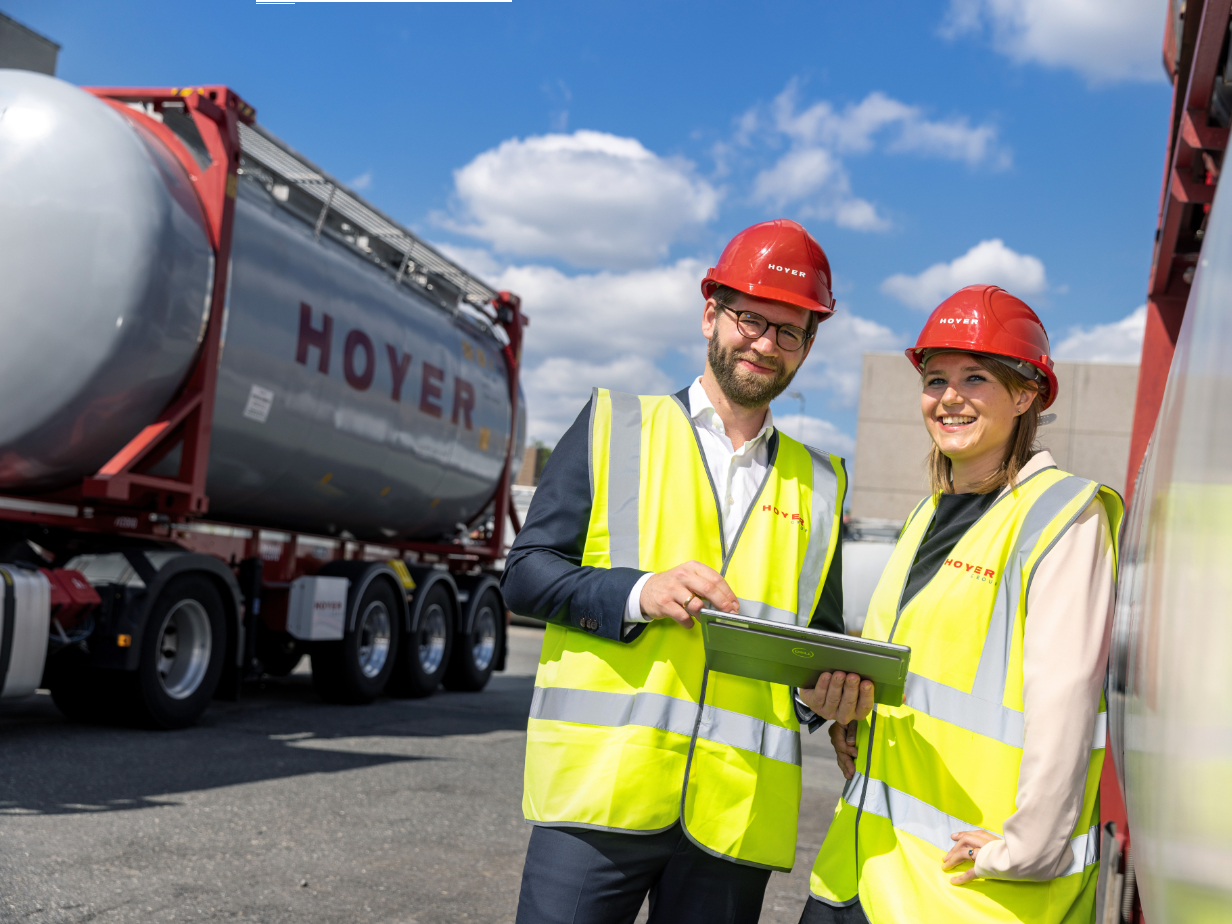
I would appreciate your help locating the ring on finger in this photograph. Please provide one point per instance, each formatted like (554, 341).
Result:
(686, 603)
(970, 852)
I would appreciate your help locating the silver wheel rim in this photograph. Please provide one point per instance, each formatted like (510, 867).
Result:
(432, 635)
(185, 642)
(483, 638)
(374, 638)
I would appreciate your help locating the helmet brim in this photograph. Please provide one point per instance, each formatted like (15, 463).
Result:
(771, 293)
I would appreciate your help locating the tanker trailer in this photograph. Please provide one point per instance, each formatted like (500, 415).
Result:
(1170, 679)
(351, 384)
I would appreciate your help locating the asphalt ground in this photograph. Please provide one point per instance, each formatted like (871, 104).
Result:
(280, 808)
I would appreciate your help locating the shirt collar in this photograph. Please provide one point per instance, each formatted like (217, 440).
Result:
(702, 410)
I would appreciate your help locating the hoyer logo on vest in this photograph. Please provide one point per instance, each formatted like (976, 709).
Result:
(789, 517)
(979, 572)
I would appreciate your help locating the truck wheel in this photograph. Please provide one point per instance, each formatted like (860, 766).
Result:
(278, 652)
(474, 654)
(425, 658)
(182, 650)
(356, 669)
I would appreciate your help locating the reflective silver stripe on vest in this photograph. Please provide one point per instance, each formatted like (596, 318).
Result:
(1099, 737)
(821, 524)
(994, 665)
(624, 478)
(992, 720)
(981, 711)
(1086, 851)
(933, 826)
(761, 610)
(666, 713)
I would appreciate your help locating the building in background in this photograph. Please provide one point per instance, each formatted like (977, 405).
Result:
(1090, 436)
(23, 49)
(534, 459)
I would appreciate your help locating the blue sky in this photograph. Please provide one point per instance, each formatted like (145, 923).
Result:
(596, 157)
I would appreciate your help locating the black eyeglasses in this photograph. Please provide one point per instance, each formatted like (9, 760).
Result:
(752, 325)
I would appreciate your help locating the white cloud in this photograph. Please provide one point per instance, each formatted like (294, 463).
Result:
(988, 262)
(1117, 342)
(557, 388)
(833, 368)
(817, 174)
(815, 432)
(607, 329)
(812, 173)
(855, 127)
(363, 181)
(1104, 40)
(590, 198)
(596, 316)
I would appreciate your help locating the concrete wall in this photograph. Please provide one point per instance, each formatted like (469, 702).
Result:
(24, 49)
(1089, 438)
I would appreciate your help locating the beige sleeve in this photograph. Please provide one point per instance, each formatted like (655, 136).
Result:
(1065, 656)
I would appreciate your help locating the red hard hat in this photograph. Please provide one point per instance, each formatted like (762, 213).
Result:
(987, 319)
(778, 260)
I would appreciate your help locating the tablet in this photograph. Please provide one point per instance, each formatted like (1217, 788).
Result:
(797, 656)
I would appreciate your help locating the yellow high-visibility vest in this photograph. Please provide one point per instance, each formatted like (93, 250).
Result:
(637, 736)
(947, 760)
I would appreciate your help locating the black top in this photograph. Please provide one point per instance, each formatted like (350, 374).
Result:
(544, 578)
(956, 513)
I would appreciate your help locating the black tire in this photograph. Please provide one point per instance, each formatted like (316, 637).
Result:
(76, 687)
(183, 645)
(423, 660)
(474, 654)
(355, 670)
(278, 652)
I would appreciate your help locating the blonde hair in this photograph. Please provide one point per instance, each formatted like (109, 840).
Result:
(1019, 449)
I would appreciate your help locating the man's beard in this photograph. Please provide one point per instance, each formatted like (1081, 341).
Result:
(746, 389)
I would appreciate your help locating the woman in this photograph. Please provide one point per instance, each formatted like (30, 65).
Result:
(976, 800)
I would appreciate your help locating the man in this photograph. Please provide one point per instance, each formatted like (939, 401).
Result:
(644, 771)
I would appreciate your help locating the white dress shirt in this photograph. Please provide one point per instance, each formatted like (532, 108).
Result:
(737, 474)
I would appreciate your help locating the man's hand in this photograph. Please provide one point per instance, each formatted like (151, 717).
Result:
(966, 849)
(839, 696)
(843, 737)
(680, 592)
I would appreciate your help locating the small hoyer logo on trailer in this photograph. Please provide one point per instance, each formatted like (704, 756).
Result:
(979, 572)
(327, 606)
(789, 517)
(359, 366)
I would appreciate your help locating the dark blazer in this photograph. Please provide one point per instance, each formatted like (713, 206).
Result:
(544, 578)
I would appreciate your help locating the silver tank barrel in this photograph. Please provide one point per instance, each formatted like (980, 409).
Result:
(346, 403)
(107, 272)
(1170, 684)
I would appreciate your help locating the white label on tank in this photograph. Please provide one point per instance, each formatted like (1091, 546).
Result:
(260, 400)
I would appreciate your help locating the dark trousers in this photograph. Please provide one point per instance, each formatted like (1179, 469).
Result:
(816, 912)
(578, 876)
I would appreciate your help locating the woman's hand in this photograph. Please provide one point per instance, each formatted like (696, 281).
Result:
(967, 847)
(843, 737)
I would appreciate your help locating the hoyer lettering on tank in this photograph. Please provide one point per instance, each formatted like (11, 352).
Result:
(359, 361)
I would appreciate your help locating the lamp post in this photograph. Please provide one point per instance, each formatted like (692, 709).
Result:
(799, 397)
